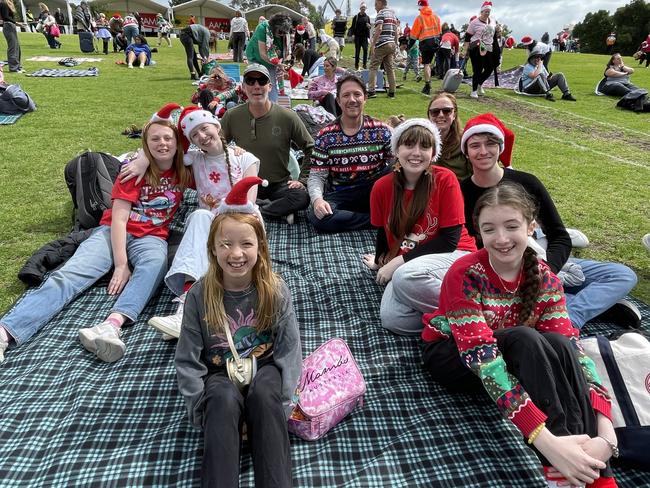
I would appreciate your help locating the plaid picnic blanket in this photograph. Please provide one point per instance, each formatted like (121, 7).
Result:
(9, 119)
(64, 73)
(59, 58)
(70, 420)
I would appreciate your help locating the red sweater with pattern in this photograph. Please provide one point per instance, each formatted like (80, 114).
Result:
(473, 303)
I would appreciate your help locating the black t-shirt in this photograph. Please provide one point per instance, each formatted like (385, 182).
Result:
(548, 218)
(6, 14)
(308, 60)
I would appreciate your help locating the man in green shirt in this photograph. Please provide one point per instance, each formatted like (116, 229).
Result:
(267, 130)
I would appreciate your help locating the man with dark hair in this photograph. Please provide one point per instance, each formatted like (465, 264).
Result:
(339, 28)
(350, 154)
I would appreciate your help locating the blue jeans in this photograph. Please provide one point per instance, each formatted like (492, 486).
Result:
(130, 31)
(350, 210)
(273, 96)
(92, 260)
(604, 285)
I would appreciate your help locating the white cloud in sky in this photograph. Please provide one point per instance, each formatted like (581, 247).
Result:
(523, 18)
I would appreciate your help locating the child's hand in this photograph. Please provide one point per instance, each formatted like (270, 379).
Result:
(136, 168)
(369, 261)
(385, 273)
(120, 277)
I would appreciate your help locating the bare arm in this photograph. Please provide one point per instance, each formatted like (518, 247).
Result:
(119, 218)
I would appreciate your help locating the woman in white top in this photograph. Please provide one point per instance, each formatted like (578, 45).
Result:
(238, 35)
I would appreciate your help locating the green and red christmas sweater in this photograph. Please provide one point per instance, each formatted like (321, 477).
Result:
(473, 303)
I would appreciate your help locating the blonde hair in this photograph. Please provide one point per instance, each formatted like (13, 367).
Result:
(43, 7)
(152, 174)
(265, 281)
(10, 4)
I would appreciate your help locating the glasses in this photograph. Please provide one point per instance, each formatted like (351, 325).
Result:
(433, 112)
(250, 81)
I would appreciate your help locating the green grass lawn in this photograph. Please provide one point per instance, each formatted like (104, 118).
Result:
(594, 159)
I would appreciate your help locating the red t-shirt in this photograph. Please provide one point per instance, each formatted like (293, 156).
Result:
(152, 208)
(446, 209)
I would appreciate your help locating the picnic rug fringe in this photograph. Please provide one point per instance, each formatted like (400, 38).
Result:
(68, 419)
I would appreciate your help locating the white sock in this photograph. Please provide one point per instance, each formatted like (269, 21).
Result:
(4, 335)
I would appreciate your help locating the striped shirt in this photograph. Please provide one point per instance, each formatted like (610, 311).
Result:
(387, 22)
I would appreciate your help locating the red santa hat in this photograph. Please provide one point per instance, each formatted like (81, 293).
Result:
(510, 42)
(300, 29)
(423, 3)
(426, 124)
(191, 117)
(488, 123)
(526, 40)
(165, 113)
(487, 5)
(237, 199)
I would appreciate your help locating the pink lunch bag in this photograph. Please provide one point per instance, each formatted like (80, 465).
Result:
(330, 387)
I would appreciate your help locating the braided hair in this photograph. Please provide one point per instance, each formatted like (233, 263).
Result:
(514, 195)
(227, 155)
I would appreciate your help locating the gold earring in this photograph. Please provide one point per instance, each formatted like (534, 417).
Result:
(397, 167)
(429, 170)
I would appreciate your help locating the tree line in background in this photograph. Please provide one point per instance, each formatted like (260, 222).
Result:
(630, 23)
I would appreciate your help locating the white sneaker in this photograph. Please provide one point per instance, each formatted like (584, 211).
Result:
(170, 326)
(474, 95)
(578, 239)
(646, 241)
(104, 341)
(3, 347)
(481, 91)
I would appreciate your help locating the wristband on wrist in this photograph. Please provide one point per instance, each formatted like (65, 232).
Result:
(533, 435)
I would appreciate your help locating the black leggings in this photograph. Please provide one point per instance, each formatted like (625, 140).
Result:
(546, 365)
(481, 67)
(190, 54)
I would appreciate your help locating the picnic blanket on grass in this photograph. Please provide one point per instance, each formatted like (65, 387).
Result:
(70, 420)
(508, 79)
(9, 119)
(56, 59)
(64, 73)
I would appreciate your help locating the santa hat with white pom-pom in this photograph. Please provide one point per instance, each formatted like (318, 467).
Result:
(237, 200)
(165, 114)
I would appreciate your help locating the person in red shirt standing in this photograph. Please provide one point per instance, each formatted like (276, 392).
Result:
(502, 327)
(131, 238)
(419, 211)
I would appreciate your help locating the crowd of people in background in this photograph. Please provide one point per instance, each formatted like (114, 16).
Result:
(457, 229)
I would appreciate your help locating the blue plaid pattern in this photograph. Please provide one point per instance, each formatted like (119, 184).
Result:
(64, 73)
(68, 419)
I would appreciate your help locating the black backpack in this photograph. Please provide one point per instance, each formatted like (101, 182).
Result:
(90, 177)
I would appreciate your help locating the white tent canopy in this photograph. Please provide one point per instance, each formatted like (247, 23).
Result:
(205, 8)
(267, 10)
(123, 6)
(64, 5)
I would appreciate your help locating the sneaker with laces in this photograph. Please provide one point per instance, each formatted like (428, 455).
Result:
(474, 95)
(549, 96)
(623, 313)
(170, 325)
(104, 341)
(567, 96)
(372, 94)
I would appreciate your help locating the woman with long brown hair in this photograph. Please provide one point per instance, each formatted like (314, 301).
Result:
(418, 209)
(443, 111)
(7, 15)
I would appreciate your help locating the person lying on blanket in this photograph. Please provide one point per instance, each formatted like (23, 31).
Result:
(131, 238)
(216, 168)
(502, 327)
(240, 309)
(418, 210)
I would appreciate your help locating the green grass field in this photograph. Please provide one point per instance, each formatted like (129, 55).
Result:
(593, 158)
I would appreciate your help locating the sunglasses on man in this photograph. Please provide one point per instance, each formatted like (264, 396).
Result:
(251, 80)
